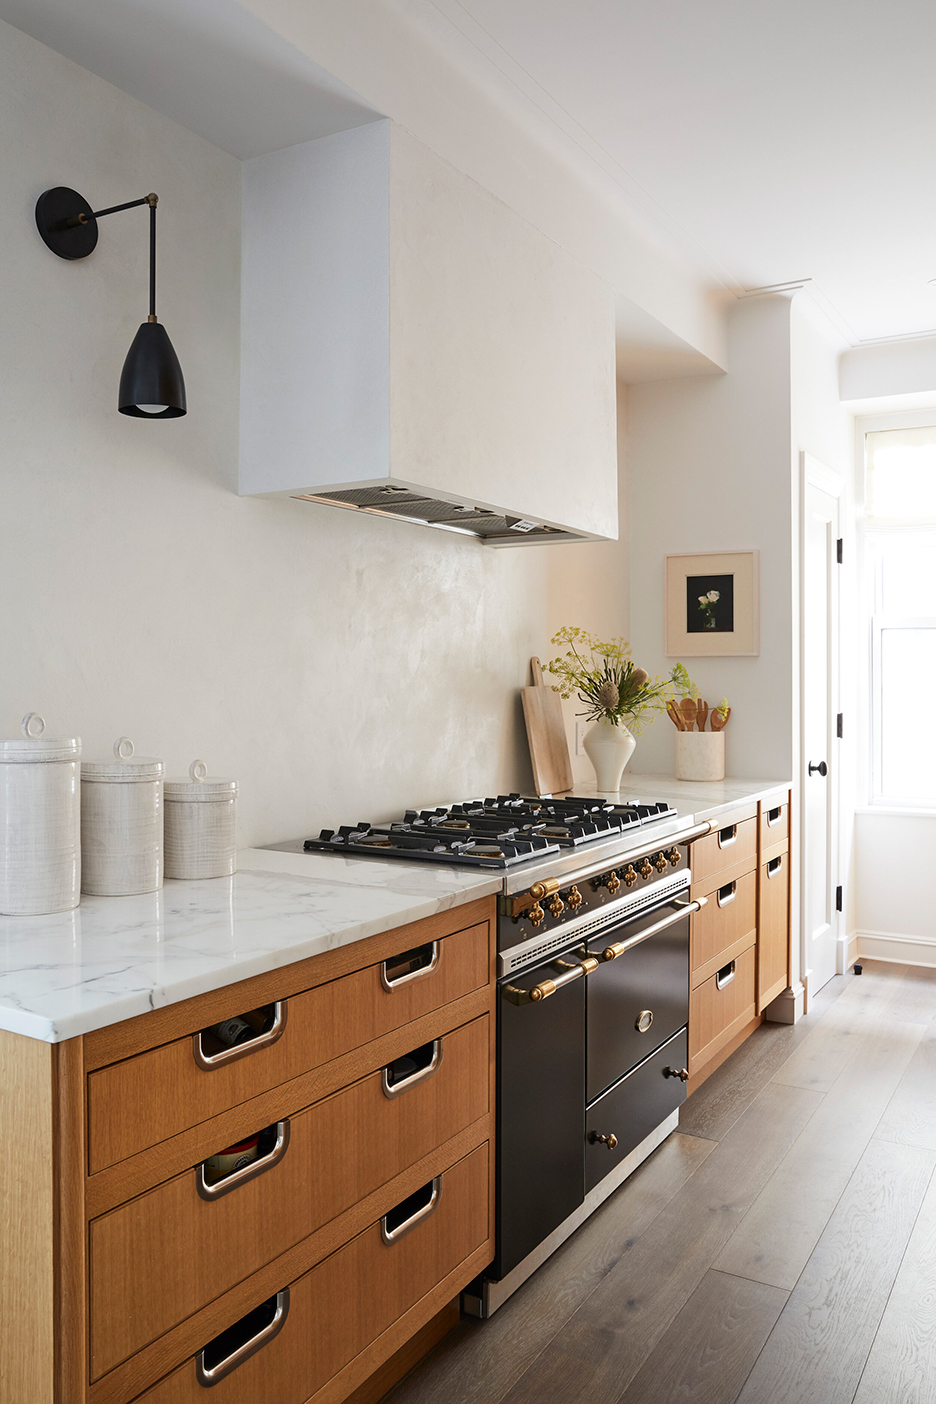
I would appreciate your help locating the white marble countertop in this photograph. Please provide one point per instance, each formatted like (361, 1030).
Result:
(115, 957)
(701, 799)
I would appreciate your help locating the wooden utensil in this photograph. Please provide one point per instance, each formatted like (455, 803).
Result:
(675, 716)
(701, 715)
(549, 750)
(688, 708)
(720, 718)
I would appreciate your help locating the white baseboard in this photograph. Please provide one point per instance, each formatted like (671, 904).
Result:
(888, 945)
(847, 952)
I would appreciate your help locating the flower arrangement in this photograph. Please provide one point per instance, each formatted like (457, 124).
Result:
(707, 603)
(606, 680)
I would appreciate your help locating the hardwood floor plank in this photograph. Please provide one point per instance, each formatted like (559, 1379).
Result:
(902, 1363)
(818, 1348)
(605, 1343)
(788, 1217)
(479, 1361)
(708, 1351)
(910, 1117)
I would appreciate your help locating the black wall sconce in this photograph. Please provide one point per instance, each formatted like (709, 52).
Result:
(151, 384)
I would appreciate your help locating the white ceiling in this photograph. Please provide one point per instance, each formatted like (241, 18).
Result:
(780, 141)
(775, 142)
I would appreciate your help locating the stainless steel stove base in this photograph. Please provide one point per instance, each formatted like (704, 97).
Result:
(494, 1294)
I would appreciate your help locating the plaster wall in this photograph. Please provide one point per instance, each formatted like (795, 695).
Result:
(338, 666)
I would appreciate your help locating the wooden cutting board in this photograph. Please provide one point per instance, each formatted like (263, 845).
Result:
(549, 751)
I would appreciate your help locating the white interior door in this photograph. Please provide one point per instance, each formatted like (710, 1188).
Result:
(820, 703)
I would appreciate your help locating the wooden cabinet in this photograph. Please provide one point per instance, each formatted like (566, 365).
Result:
(368, 1209)
(739, 941)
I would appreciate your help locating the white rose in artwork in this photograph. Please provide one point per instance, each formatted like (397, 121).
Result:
(703, 599)
(713, 595)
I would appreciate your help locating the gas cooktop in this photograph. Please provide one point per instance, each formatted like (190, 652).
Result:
(489, 833)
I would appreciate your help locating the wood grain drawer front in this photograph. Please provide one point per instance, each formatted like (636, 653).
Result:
(146, 1099)
(729, 914)
(773, 935)
(723, 848)
(339, 1308)
(166, 1254)
(774, 824)
(719, 1008)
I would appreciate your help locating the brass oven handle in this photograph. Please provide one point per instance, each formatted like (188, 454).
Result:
(549, 987)
(685, 909)
(394, 1089)
(219, 1188)
(207, 1377)
(391, 985)
(209, 1061)
(391, 1236)
(730, 891)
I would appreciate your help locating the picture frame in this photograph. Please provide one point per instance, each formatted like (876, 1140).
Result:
(712, 605)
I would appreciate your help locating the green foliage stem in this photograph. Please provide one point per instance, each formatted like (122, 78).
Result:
(603, 677)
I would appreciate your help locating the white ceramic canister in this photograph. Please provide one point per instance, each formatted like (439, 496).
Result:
(201, 824)
(122, 823)
(700, 755)
(40, 823)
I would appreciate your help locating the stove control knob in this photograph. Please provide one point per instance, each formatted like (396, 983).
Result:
(630, 874)
(610, 1140)
(536, 914)
(659, 862)
(675, 857)
(556, 905)
(681, 1073)
(574, 899)
(613, 882)
(646, 868)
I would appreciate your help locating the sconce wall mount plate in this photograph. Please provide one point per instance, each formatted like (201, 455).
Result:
(64, 220)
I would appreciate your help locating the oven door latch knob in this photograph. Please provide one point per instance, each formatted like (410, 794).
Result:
(681, 1073)
(610, 1140)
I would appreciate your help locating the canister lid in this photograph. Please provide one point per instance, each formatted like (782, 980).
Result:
(32, 746)
(198, 787)
(125, 767)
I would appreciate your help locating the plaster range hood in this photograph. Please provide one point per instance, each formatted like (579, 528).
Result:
(412, 348)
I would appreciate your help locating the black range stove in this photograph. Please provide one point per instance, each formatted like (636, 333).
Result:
(491, 833)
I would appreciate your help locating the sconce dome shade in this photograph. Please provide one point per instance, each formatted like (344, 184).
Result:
(151, 383)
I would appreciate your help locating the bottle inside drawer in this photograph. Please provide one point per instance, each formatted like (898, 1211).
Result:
(237, 1030)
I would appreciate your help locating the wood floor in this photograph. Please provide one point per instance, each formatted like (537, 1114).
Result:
(780, 1248)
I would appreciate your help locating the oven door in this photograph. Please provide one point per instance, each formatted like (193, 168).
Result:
(540, 1111)
(636, 1002)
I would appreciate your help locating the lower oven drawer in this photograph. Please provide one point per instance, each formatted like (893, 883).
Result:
(720, 1008)
(145, 1280)
(628, 1112)
(345, 1303)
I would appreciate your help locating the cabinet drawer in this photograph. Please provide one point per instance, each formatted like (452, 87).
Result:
(633, 1108)
(148, 1098)
(773, 933)
(774, 824)
(144, 1280)
(723, 848)
(729, 915)
(330, 1319)
(720, 1008)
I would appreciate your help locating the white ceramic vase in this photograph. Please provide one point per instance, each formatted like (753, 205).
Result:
(609, 746)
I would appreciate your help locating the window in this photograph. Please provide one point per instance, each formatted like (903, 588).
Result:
(900, 545)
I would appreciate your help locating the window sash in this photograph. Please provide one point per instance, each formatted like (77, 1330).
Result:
(880, 625)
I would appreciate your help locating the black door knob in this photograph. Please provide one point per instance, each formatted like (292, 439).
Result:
(822, 768)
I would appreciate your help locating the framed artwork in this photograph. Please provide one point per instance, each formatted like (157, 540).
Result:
(712, 605)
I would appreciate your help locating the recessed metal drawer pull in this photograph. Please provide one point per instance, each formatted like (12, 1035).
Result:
(211, 1374)
(727, 894)
(545, 988)
(685, 909)
(726, 837)
(413, 965)
(725, 975)
(218, 1188)
(432, 1052)
(209, 1061)
(774, 816)
(774, 866)
(391, 1232)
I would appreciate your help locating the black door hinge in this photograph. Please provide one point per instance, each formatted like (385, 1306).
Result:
(838, 725)
(838, 551)
(838, 899)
